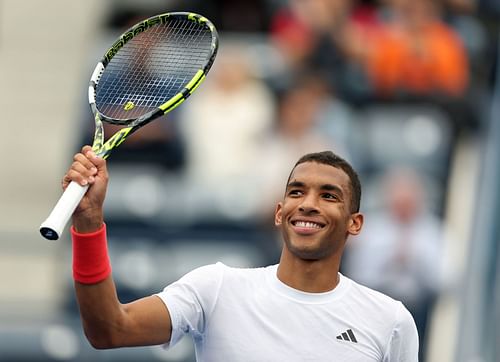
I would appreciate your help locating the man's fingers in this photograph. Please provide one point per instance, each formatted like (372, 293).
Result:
(86, 149)
(99, 162)
(84, 160)
(89, 157)
(82, 178)
(86, 168)
(82, 171)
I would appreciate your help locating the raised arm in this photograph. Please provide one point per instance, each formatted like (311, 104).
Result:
(107, 322)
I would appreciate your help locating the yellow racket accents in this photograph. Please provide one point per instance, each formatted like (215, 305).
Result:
(115, 140)
(172, 102)
(195, 17)
(128, 106)
(181, 96)
(196, 81)
(201, 19)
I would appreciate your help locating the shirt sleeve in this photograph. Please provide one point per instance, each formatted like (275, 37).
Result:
(403, 344)
(191, 300)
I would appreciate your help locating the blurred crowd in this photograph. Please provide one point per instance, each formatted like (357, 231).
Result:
(391, 85)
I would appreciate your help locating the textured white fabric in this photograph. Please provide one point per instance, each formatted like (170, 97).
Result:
(236, 314)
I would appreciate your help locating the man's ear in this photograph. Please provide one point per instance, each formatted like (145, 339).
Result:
(355, 223)
(277, 214)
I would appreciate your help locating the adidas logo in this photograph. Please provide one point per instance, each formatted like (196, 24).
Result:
(348, 336)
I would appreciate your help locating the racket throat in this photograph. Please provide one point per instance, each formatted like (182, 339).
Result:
(117, 139)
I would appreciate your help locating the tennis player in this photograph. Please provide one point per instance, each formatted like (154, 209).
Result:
(302, 309)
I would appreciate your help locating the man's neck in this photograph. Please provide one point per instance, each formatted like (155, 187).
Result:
(313, 276)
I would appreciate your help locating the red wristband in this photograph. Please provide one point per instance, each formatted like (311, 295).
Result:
(90, 256)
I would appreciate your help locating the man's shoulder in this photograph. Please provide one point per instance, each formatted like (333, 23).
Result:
(376, 313)
(372, 298)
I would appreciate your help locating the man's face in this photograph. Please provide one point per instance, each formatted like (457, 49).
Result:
(315, 217)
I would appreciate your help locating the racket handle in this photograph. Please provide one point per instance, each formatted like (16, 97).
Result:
(52, 227)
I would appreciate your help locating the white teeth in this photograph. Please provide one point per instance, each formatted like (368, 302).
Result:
(307, 224)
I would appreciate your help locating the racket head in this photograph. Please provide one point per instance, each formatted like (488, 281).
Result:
(152, 68)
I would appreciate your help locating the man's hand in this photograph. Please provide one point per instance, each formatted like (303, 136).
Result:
(88, 169)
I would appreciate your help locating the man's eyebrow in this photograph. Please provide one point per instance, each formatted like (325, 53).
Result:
(330, 187)
(325, 187)
(295, 184)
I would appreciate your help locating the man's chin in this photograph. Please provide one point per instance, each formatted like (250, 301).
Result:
(306, 252)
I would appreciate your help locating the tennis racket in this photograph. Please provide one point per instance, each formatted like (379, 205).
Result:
(151, 69)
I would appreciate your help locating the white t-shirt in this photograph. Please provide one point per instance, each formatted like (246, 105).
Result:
(236, 314)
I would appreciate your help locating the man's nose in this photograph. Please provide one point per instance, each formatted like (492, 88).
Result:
(309, 204)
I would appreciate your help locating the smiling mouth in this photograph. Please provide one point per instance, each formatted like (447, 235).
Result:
(307, 224)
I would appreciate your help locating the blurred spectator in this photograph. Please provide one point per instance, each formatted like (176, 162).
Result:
(399, 251)
(305, 123)
(416, 52)
(321, 35)
(225, 123)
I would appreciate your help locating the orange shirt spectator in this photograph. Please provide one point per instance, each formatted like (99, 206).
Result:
(421, 60)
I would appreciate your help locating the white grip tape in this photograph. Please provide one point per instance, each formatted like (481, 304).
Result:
(52, 227)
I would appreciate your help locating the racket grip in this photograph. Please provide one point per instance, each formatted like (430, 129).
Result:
(53, 226)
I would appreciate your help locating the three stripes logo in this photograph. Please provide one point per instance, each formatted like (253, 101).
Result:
(348, 336)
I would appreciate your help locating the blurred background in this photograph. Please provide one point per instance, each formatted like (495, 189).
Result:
(406, 90)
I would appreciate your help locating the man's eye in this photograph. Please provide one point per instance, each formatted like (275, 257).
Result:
(330, 196)
(294, 192)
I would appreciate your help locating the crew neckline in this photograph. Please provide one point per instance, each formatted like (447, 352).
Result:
(306, 297)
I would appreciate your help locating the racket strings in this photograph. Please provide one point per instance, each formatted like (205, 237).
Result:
(152, 68)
